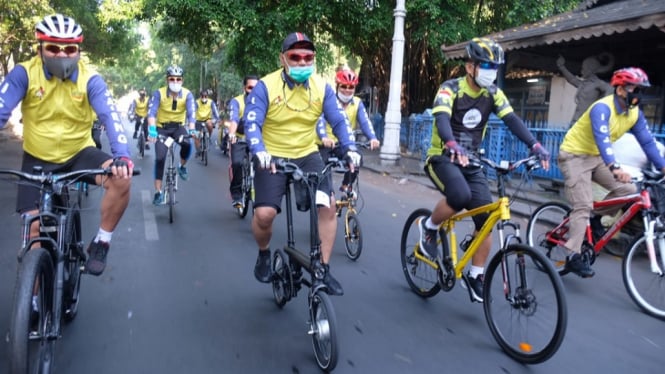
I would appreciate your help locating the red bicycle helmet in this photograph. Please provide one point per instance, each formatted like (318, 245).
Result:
(59, 29)
(630, 76)
(346, 76)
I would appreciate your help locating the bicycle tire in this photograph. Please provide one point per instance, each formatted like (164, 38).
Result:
(323, 330)
(282, 280)
(141, 145)
(353, 237)
(204, 149)
(646, 288)
(543, 220)
(31, 350)
(416, 271)
(530, 323)
(171, 201)
(246, 190)
(73, 256)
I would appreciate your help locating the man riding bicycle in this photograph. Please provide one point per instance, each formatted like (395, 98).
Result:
(461, 109)
(138, 110)
(60, 96)
(170, 108)
(280, 120)
(354, 108)
(587, 155)
(206, 115)
(239, 150)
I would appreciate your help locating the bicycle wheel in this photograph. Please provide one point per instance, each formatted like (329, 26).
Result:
(645, 287)
(204, 149)
(74, 258)
(542, 236)
(525, 305)
(31, 344)
(323, 330)
(246, 190)
(282, 280)
(422, 278)
(353, 238)
(170, 196)
(141, 144)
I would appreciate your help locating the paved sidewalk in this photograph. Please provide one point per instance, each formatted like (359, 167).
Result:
(410, 168)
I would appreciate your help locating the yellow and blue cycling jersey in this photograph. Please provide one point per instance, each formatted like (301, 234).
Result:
(469, 112)
(602, 124)
(236, 110)
(58, 115)
(206, 111)
(280, 116)
(140, 107)
(357, 114)
(165, 109)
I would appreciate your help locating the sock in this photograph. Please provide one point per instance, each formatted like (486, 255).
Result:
(431, 225)
(104, 236)
(475, 271)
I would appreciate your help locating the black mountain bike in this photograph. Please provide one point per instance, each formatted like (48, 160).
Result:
(205, 144)
(49, 270)
(171, 172)
(141, 140)
(288, 265)
(247, 186)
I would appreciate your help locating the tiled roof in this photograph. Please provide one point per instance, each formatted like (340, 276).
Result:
(603, 18)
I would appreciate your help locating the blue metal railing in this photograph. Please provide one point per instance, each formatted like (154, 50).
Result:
(499, 143)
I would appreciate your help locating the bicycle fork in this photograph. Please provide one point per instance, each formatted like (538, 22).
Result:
(651, 250)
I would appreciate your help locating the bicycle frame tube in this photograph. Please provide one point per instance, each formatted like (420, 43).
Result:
(638, 203)
(498, 210)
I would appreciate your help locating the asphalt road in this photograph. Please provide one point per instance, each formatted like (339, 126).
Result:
(181, 297)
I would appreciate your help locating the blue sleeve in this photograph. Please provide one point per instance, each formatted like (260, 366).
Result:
(103, 104)
(154, 104)
(338, 120)
(256, 106)
(132, 108)
(364, 122)
(321, 127)
(12, 91)
(234, 110)
(190, 104)
(600, 117)
(647, 142)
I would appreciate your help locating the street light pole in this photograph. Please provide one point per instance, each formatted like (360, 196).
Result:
(390, 151)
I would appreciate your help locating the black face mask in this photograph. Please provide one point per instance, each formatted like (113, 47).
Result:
(633, 98)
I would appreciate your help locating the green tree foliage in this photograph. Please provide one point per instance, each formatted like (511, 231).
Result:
(17, 29)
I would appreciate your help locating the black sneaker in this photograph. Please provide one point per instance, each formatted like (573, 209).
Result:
(97, 252)
(476, 286)
(334, 288)
(262, 269)
(427, 240)
(135, 135)
(579, 265)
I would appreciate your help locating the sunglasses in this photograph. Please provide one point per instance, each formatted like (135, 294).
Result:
(632, 89)
(249, 88)
(297, 57)
(55, 49)
(488, 65)
(175, 79)
(347, 87)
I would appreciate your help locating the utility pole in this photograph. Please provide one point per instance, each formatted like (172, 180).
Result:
(390, 151)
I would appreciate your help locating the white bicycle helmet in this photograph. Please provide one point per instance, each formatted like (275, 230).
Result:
(59, 29)
(174, 71)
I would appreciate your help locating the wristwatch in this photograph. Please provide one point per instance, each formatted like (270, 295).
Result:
(615, 166)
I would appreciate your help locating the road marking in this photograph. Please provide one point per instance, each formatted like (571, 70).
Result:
(149, 220)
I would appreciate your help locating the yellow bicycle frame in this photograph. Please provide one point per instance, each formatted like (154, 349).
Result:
(498, 210)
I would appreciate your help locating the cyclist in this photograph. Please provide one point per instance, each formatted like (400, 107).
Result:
(461, 109)
(347, 80)
(60, 96)
(206, 112)
(236, 109)
(586, 154)
(280, 120)
(138, 110)
(170, 108)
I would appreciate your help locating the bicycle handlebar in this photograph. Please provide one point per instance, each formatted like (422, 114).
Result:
(44, 178)
(504, 166)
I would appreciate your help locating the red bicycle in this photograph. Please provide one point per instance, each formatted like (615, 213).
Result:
(644, 260)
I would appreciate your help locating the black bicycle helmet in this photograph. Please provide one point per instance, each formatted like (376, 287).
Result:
(485, 50)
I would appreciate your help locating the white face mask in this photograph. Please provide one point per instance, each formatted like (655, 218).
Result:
(175, 87)
(344, 98)
(485, 77)
(204, 101)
